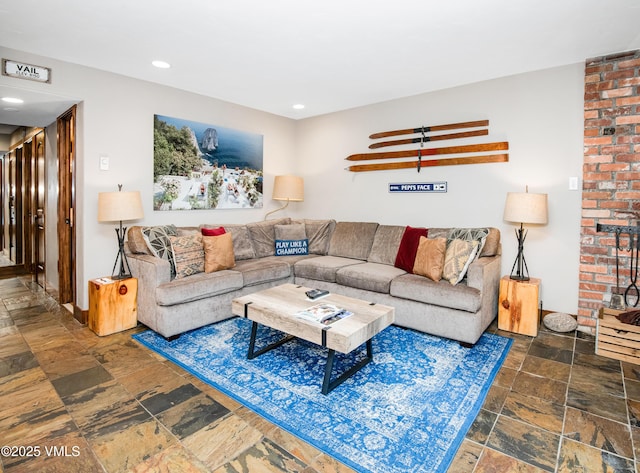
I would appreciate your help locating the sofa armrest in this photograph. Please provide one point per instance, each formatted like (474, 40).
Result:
(151, 272)
(484, 274)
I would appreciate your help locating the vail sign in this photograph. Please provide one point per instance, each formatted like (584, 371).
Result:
(26, 71)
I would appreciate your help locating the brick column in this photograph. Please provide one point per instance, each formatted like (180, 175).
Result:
(611, 176)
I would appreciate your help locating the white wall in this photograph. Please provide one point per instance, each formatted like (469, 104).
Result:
(540, 114)
(115, 118)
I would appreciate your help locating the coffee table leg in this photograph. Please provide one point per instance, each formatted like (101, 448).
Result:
(252, 353)
(327, 384)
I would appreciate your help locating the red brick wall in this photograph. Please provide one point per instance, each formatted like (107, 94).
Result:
(611, 175)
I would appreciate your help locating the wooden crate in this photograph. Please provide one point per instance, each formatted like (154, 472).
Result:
(615, 339)
(112, 305)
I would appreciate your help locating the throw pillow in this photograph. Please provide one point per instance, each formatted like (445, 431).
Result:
(409, 247)
(213, 231)
(430, 258)
(242, 244)
(157, 240)
(188, 254)
(470, 234)
(218, 252)
(458, 257)
(291, 240)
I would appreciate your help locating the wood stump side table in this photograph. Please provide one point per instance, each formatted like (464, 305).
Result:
(112, 305)
(518, 306)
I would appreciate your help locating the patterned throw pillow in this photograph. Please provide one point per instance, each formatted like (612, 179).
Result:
(459, 255)
(157, 240)
(218, 252)
(188, 254)
(469, 234)
(430, 258)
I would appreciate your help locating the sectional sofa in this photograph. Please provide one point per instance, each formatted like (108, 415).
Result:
(442, 281)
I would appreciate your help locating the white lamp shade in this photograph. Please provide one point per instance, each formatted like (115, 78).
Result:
(119, 206)
(290, 188)
(523, 207)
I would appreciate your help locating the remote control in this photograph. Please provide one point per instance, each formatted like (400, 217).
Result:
(316, 293)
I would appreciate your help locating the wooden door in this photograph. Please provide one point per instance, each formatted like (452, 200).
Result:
(66, 208)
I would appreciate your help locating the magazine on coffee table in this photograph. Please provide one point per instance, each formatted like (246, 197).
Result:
(323, 313)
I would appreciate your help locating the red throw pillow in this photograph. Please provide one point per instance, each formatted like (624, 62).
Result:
(213, 231)
(406, 256)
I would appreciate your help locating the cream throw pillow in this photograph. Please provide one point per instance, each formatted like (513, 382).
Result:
(430, 258)
(218, 253)
(459, 255)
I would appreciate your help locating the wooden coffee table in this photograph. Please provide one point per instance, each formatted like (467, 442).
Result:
(276, 308)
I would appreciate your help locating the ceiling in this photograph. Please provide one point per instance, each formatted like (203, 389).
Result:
(329, 55)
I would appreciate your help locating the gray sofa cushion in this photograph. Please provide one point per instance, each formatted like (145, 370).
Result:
(261, 270)
(442, 293)
(492, 244)
(374, 277)
(198, 286)
(352, 239)
(438, 232)
(263, 236)
(385, 244)
(294, 231)
(319, 234)
(135, 241)
(322, 268)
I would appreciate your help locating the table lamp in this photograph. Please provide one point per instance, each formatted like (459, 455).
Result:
(118, 207)
(524, 207)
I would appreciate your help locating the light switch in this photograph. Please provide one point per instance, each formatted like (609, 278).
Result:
(104, 163)
(573, 183)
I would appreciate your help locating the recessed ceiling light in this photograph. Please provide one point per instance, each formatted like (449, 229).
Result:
(298, 106)
(161, 64)
(10, 109)
(12, 100)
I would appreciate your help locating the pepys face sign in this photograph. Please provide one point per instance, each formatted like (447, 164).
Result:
(26, 71)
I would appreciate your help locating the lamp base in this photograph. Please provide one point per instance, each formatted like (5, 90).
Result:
(520, 264)
(124, 272)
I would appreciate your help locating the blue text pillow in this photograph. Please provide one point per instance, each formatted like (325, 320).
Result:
(292, 247)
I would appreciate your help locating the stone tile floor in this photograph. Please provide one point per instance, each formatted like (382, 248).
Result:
(76, 402)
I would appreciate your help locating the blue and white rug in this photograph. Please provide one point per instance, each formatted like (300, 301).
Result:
(407, 410)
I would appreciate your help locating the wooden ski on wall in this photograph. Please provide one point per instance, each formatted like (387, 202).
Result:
(427, 129)
(491, 158)
(497, 146)
(421, 139)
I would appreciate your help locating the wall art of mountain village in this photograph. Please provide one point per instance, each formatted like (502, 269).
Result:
(200, 166)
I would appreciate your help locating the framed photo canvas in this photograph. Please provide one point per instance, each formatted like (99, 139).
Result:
(202, 166)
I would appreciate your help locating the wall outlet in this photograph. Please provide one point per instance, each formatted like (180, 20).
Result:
(104, 163)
